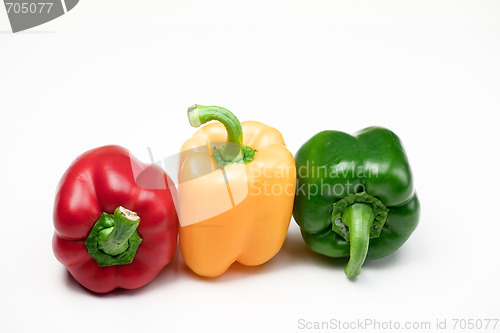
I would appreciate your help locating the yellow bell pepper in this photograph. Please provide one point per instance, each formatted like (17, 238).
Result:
(235, 194)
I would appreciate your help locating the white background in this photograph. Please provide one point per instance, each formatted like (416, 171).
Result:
(124, 72)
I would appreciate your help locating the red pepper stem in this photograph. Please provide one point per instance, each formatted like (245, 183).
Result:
(114, 240)
(358, 218)
(231, 151)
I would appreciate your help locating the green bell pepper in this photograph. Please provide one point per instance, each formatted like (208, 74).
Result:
(355, 195)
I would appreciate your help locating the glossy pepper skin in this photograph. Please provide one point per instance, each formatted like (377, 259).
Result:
(240, 212)
(355, 195)
(107, 188)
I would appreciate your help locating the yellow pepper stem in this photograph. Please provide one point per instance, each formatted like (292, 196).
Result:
(233, 150)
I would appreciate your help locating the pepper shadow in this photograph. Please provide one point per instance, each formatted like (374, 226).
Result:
(394, 259)
(296, 253)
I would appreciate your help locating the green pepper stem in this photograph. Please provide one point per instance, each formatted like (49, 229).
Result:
(114, 240)
(231, 151)
(358, 218)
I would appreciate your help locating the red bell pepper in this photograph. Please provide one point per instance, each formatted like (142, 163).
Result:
(115, 220)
